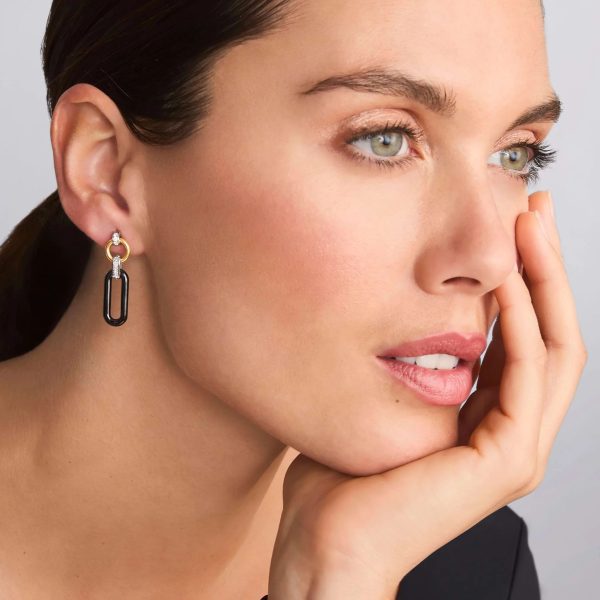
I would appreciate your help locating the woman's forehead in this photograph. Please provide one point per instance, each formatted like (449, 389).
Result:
(488, 53)
(475, 34)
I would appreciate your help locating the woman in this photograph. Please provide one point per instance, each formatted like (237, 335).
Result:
(228, 278)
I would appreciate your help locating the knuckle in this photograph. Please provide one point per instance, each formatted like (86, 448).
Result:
(527, 473)
(530, 487)
(536, 481)
(515, 465)
(523, 472)
(541, 355)
(536, 478)
(583, 354)
(517, 470)
(573, 353)
(576, 355)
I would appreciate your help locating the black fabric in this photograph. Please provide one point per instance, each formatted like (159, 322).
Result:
(490, 561)
(525, 583)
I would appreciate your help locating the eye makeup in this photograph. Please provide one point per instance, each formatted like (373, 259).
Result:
(541, 155)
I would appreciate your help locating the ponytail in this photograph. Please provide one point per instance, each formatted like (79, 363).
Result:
(153, 59)
(41, 266)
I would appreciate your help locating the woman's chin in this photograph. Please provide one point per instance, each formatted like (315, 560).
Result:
(384, 451)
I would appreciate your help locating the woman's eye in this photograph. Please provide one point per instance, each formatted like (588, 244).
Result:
(382, 144)
(516, 158)
(390, 147)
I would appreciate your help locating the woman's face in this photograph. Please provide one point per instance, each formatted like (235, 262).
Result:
(285, 259)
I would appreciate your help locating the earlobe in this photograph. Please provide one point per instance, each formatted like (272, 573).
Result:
(92, 151)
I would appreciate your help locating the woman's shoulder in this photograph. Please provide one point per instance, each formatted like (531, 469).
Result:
(491, 560)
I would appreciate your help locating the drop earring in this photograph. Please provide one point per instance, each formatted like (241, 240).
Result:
(116, 273)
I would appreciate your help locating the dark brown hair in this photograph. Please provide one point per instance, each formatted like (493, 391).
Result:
(153, 58)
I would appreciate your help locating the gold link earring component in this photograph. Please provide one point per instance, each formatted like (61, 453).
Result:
(117, 272)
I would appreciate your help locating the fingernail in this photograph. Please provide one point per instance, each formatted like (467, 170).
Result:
(539, 217)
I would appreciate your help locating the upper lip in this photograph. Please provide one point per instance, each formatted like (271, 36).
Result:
(468, 347)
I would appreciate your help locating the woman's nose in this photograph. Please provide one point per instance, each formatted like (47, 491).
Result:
(468, 244)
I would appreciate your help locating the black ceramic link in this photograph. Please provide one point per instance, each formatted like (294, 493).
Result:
(108, 279)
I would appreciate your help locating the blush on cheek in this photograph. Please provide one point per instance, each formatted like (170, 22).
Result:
(290, 256)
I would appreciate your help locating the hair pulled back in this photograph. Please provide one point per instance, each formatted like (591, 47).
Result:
(153, 58)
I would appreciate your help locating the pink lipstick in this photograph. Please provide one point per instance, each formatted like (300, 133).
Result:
(439, 385)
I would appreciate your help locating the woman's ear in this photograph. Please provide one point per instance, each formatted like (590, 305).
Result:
(98, 164)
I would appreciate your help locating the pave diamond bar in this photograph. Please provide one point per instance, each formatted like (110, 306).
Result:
(116, 271)
(116, 238)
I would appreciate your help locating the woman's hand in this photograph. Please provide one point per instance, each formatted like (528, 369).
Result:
(356, 537)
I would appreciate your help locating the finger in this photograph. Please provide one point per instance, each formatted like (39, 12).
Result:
(479, 404)
(562, 381)
(542, 202)
(490, 373)
(555, 306)
(491, 369)
(485, 395)
(521, 391)
(549, 288)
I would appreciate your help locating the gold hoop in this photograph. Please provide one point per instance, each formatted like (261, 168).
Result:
(121, 241)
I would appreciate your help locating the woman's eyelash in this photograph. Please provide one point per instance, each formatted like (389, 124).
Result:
(543, 154)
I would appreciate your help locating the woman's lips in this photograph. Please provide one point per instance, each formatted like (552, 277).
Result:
(442, 387)
(468, 347)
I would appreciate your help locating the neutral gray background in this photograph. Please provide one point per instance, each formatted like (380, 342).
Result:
(562, 514)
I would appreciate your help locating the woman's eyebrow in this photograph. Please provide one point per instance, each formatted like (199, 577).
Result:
(435, 97)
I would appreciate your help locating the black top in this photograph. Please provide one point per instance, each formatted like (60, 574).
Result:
(490, 561)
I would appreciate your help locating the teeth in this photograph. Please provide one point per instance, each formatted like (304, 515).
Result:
(431, 361)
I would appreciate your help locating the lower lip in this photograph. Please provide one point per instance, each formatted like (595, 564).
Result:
(442, 387)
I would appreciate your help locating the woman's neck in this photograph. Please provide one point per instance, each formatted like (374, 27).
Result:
(118, 470)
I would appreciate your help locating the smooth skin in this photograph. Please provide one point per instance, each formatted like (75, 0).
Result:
(527, 381)
(268, 268)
